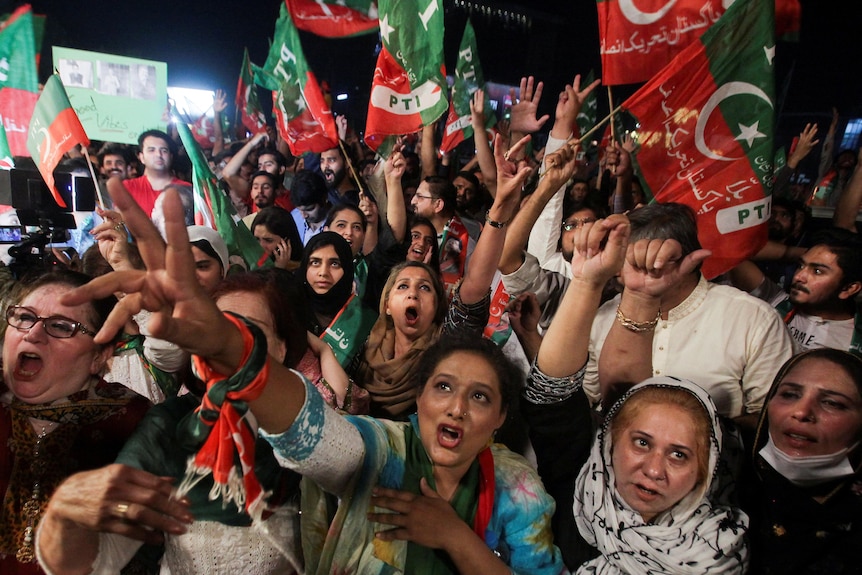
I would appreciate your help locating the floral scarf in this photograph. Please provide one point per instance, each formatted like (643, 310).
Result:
(693, 537)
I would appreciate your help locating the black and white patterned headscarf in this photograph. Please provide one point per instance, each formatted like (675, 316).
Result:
(693, 537)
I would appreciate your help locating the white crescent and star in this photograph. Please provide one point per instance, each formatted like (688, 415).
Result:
(747, 133)
(636, 16)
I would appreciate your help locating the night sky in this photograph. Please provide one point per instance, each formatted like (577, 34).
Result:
(202, 42)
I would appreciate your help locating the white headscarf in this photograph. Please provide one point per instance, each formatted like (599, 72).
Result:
(693, 537)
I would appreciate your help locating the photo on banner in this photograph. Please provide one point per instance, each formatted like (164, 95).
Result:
(115, 97)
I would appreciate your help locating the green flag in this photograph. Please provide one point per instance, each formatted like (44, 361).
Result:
(6, 161)
(19, 81)
(409, 87)
(468, 79)
(213, 209)
(302, 115)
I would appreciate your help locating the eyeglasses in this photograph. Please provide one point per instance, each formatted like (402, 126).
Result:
(576, 223)
(421, 197)
(24, 318)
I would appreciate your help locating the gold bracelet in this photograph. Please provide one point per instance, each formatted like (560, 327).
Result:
(637, 326)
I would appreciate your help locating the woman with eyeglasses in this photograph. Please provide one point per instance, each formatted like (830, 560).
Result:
(57, 415)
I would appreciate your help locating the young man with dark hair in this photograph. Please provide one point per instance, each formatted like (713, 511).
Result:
(157, 151)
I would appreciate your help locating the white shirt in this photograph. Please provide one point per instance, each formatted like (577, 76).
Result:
(723, 339)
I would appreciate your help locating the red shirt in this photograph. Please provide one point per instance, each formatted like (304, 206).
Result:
(143, 193)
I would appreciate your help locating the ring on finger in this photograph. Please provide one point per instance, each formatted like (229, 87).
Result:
(120, 225)
(122, 509)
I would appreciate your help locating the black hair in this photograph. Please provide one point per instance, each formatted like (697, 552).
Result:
(509, 376)
(172, 146)
(340, 207)
(280, 222)
(443, 189)
(308, 188)
(670, 221)
(847, 247)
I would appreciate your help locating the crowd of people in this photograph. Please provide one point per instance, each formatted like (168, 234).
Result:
(507, 362)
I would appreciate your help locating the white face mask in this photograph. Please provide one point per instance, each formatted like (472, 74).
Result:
(810, 470)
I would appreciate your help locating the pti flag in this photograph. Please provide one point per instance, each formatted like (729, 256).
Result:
(6, 160)
(247, 102)
(589, 111)
(54, 130)
(706, 132)
(19, 81)
(468, 79)
(334, 18)
(302, 116)
(637, 42)
(213, 209)
(409, 87)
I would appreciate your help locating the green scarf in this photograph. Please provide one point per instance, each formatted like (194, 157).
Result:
(465, 502)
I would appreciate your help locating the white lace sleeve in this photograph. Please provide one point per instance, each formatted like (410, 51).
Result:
(321, 444)
(115, 551)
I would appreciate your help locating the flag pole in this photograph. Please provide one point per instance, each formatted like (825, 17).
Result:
(611, 108)
(347, 161)
(93, 175)
(344, 153)
(600, 123)
(577, 141)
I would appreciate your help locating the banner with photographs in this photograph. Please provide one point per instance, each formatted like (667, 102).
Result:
(115, 97)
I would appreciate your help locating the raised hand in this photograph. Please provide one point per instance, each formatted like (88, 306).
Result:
(569, 105)
(220, 101)
(182, 312)
(654, 266)
(560, 166)
(524, 120)
(510, 175)
(600, 250)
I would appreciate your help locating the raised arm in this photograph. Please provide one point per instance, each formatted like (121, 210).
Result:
(219, 106)
(652, 268)
(428, 156)
(559, 168)
(484, 154)
(483, 265)
(181, 311)
(599, 253)
(546, 234)
(396, 209)
(239, 185)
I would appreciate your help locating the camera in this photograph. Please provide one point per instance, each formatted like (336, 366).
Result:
(42, 220)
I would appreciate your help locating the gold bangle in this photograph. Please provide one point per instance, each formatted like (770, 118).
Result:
(637, 326)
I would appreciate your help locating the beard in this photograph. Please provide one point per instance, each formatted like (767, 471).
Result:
(333, 178)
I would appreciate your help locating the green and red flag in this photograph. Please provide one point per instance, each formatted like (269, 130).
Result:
(247, 102)
(334, 18)
(19, 81)
(589, 113)
(212, 207)
(706, 132)
(54, 130)
(468, 79)
(303, 118)
(639, 37)
(409, 87)
(6, 160)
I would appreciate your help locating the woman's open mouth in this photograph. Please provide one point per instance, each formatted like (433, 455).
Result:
(411, 314)
(449, 436)
(29, 364)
